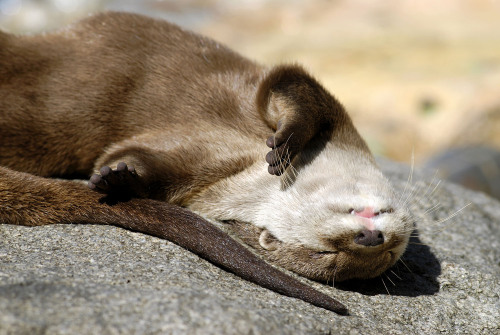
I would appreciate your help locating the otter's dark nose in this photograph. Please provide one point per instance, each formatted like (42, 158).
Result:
(369, 238)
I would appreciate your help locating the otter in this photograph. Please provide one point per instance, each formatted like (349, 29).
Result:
(178, 133)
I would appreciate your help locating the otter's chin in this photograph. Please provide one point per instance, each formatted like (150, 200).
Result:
(326, 266)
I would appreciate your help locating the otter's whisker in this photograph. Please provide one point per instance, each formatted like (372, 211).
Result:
(389, 279)
(277, 161)
(406, 266)
(294, 171)
(410, 178)
(283, 161)
(434, 177)
(287, 171)
(435, 188)
(433, 208)
(383, 282)
(411, 195)
(417, 192)
(394, 273)
(334, 275)
(450, 217)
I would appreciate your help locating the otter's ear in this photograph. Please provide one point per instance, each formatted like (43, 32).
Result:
(268, 241)
(297, 108)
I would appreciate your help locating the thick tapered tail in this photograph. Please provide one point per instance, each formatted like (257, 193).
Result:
(199, 236)
(30, 200)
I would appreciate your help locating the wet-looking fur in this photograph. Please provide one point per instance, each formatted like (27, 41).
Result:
(156, 112)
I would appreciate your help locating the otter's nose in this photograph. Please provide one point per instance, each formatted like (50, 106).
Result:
(369, 238)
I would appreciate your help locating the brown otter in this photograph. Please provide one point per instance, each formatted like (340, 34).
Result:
(171, 119)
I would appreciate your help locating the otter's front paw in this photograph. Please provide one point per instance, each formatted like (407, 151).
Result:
(123, 182)
(286, 143)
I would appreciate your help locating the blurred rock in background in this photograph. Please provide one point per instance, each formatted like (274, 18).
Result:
(475, 167)
(417, 76)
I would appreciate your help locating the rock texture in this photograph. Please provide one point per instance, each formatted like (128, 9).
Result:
(73, 279)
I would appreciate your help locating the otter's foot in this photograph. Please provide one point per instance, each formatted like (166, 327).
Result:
(121, 183)
(286, 143)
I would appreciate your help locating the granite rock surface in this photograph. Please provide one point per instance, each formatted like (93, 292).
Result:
(76, 279)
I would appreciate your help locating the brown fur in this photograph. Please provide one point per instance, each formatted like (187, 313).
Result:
(185, 111)
(116, 84)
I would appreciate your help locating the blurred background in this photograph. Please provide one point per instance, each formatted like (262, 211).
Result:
(419, 78)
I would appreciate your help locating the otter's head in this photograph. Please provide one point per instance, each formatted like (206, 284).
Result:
(332, 214)
(337, 218)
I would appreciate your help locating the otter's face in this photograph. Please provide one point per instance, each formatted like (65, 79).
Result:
(338, 218)
(335, 217)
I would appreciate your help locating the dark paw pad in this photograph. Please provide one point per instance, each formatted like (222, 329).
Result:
(121, 182)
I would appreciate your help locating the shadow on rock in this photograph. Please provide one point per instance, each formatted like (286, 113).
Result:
(414, 275)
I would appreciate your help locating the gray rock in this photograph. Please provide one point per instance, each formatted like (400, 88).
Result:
(74, 279)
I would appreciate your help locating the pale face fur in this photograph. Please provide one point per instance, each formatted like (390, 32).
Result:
(308, 225)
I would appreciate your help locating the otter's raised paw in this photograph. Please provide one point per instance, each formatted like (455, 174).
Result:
(123, 182)
(286, 143)
(278, 158)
